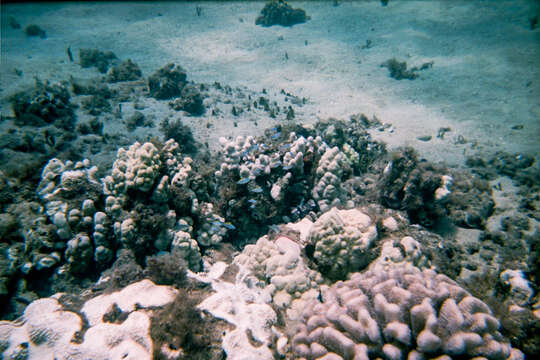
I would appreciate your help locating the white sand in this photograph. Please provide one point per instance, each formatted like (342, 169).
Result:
(485, 78)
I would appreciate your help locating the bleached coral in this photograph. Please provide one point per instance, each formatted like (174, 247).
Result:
(279, 265)
(402, 313)
(247, 308)
(46, 329)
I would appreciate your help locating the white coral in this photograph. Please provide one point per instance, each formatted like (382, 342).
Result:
(279, 265)
(46, 329)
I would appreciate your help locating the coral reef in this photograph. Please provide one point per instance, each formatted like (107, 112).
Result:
(411, 313)
(170, 211)
(167, 82)
(43, 104)
(278, 12)
(96, 58)
(125, 71)
(190, 100)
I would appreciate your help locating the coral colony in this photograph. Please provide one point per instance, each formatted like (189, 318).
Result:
(308, 242)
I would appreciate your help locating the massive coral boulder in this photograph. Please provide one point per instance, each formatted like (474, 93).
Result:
(402, 313)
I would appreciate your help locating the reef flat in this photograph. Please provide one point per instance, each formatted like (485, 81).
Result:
(148, 211)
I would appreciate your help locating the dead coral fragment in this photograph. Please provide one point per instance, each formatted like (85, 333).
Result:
(44, 104)
(126, 71)
(281, 13)
(167, 82)
(191, 101)
(34, 30)
(96, 58)
(398, 70)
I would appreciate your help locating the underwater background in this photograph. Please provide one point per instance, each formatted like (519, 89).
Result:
(270, 180)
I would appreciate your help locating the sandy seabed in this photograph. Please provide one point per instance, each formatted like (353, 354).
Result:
(484, 79)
